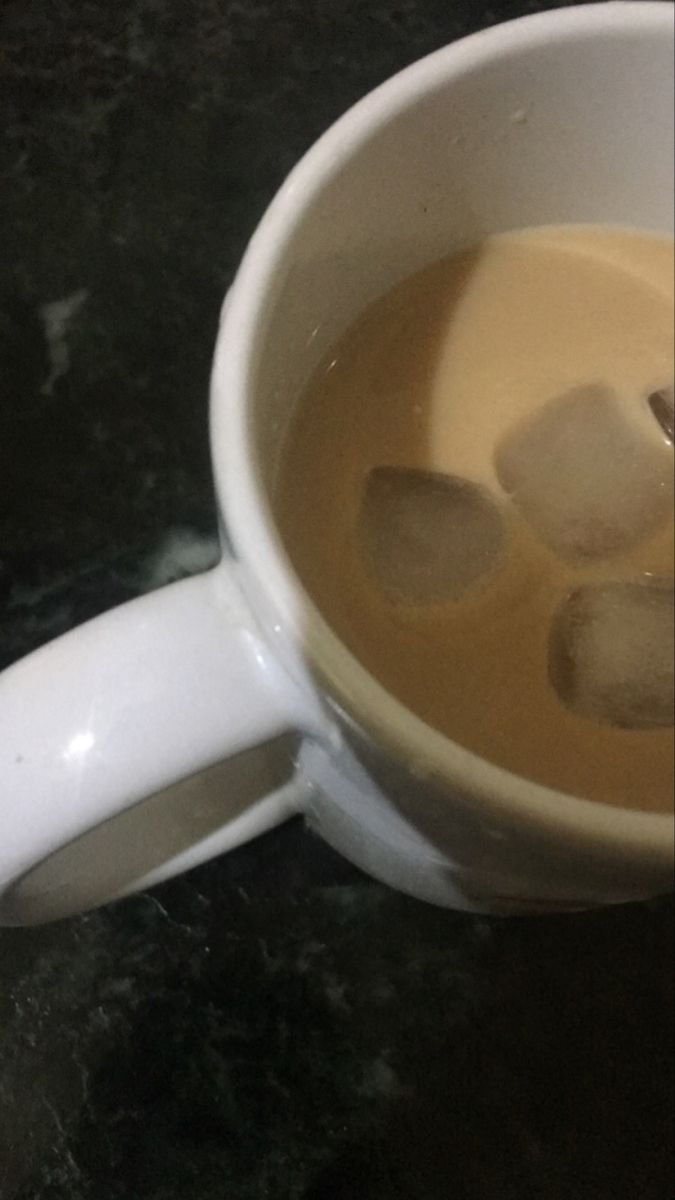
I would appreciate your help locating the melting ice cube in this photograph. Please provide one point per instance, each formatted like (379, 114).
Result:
(587, 476)
(611, 653)
(428, 536)
(662, 404)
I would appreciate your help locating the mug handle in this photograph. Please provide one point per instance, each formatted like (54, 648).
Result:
(117, 711)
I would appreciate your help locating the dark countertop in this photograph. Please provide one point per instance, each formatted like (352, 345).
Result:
(274, 1025)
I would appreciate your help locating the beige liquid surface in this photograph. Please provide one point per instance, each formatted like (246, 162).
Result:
(433, 376)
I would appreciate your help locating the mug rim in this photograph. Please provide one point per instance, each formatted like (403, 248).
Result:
(247, 511)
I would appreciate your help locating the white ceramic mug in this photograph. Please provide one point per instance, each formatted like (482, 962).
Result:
(224, 702)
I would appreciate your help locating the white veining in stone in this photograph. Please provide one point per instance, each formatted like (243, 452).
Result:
(181, 552)
(57, 318)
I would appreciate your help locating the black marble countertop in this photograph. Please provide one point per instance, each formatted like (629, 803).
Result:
(274, 1025)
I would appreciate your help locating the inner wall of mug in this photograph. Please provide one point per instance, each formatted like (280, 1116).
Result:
(573, 123)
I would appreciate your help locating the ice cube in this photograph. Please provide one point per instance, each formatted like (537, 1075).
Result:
(586, 475)
(427, 536)
(611, 653)
(662, 404)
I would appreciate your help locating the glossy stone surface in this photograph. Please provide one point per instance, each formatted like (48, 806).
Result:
(274, 1025)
